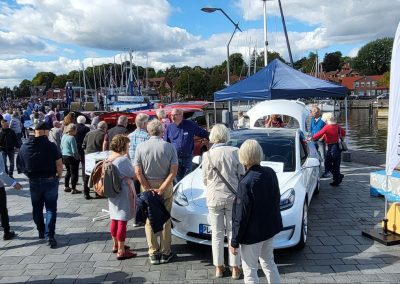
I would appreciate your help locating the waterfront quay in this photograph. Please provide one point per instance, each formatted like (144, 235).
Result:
(335, 251)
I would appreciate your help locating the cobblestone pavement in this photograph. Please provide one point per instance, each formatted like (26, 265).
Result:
(335, 251)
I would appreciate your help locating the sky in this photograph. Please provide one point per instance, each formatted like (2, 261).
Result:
(60, 36)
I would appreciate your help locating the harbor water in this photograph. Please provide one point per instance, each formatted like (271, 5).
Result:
(365, 130)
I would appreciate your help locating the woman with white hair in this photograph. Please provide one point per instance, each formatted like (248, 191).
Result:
(71, 158)
(256, 216)
(331, 133)
(162, 117)
(221, 173)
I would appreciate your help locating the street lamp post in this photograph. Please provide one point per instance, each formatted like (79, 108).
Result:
(212, 10)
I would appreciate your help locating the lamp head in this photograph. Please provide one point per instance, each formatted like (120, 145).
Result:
(209, 9)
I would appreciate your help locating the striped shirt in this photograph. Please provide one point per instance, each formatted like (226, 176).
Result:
(138, 136)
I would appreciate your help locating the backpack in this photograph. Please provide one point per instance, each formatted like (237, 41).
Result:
(105, 179)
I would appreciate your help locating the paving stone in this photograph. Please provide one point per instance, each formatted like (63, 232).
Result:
(172, 275)
(79, 257)
(323, 249)
(196, 274)
(55, 258)
(14, 279)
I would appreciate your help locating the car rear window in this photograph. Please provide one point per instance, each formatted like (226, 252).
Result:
(275, 149)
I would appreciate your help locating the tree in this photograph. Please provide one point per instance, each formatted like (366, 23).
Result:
(24, 88)
(43, 79)
(385, 81)
(332, 61)
(374, 57)
(306, 64)
(60, 81)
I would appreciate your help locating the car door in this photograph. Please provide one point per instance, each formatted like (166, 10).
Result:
(306, 173)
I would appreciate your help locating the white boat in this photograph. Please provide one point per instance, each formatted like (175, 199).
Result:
(326, 105)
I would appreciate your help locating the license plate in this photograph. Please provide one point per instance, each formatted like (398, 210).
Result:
(204, 229)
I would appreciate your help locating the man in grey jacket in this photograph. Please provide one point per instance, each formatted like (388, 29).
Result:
(4, 178)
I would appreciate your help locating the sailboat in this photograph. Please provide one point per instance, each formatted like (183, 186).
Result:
(127, 97)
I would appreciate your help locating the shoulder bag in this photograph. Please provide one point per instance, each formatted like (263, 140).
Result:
(220, 175)
(342, 144)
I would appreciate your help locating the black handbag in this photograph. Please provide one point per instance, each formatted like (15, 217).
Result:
(342, 144)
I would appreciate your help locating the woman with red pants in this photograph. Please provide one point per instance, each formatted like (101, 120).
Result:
(331, 133)
(122, 206)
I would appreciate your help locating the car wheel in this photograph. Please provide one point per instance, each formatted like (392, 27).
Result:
(304, 227)
(317, 188)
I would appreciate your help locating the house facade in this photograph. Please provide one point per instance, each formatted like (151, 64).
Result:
(364, 86)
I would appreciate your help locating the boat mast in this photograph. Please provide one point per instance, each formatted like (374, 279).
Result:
(286, 35)
(131, 90)
(265, 34)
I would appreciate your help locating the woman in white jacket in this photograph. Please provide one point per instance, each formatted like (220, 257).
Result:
(221, 173)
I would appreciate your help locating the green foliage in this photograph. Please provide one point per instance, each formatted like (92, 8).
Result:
(43, 79)
(60, 81)
(24, 88)
(306, 64)
(385, 81)
(374, 57)
(332, 61)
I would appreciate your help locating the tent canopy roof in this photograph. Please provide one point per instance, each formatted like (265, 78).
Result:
(280, 81)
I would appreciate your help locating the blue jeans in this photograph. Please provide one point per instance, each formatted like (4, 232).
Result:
(10, 155)
(44, 193)
(332, 161)
(184, 167)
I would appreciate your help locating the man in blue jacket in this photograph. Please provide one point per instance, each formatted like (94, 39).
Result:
(181, 134)
(316, 124)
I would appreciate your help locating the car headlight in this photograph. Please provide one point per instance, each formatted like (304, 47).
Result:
(179, 197)
(287, 199)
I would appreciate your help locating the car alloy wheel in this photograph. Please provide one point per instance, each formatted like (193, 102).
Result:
(304, 227)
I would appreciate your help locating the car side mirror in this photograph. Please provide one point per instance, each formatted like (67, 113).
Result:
(196, 160)
(311, 162)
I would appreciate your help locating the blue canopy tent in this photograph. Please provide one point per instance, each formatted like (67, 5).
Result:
(280, 81)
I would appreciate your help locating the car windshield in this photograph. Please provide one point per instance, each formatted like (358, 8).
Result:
(275, 148)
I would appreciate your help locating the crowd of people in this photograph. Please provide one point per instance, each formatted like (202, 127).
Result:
(242, 196)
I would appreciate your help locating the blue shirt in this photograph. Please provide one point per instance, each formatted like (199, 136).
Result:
(182, 136)
(316, 125)
(138, 136)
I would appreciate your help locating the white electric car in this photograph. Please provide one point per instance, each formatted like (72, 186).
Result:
(295, 161)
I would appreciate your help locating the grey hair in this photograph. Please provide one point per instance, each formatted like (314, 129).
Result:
(81, 119)
(161, 113)
(70, 128)
(326, 116)
(141, 120)
(102, 125)
(250, 153)
(123, 120)
(178, 110)
(219, 134)
(332, 119)
(155, 128)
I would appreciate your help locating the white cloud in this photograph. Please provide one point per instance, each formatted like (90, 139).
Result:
(112, 24)
(117, 24)
(342, 21)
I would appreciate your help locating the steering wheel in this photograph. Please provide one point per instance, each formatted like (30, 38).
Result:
(278, 158)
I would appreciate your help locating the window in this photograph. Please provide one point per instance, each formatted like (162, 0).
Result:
(373, 83)
(356, 84)
(368, 84)
(379, 92)
(368, 93)
(362, 84)
(303, 150)
(360, 93)
(372, 92)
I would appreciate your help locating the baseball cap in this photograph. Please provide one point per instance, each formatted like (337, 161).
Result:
(42, 126)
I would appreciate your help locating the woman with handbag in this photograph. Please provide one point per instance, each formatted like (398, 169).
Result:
(122, 206)
(221, 173)
(332, 133)
(71, 158)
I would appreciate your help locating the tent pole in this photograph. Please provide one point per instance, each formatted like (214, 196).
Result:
(215, 114)
(385, 219)
(347, 123)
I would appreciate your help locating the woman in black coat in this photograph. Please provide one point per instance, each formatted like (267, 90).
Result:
(256, 216)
